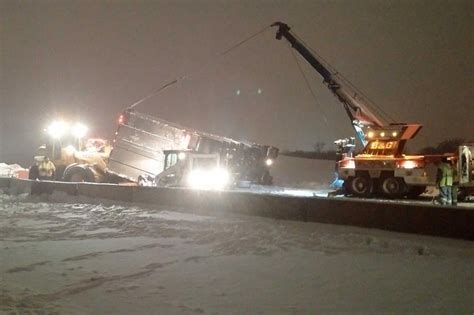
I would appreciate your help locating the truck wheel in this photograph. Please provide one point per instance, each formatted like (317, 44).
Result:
(78, 175)
(360, 186)
(393, 187)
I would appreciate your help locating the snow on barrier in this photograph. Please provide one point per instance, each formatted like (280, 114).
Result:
(454, 222)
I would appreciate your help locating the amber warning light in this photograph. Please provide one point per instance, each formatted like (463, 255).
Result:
(410, 164)
(123, 118)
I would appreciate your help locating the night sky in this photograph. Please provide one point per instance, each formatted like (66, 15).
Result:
(87, 60)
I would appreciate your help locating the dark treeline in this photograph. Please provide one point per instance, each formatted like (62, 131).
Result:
(320, 155)
(318, 152)
(446, 146)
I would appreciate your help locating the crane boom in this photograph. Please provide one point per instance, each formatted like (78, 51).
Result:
(355, 106)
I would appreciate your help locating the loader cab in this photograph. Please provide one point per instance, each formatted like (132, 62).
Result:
(192, 169)
(172, 158)
(190, 160)
(63, 138)
(56, 148)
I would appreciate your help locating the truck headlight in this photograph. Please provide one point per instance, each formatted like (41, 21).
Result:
(211, 179)
(409, 164)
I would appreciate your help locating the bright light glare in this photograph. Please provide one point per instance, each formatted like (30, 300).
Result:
(370, 134)
(79, 130)
(269, 162)
(348, 164)
(300, 193)
(211, 179)
(394, 134)
(185, 140)
(57, 129)
(181, 156)
(382, 134)
(409, 164)
(70, 150)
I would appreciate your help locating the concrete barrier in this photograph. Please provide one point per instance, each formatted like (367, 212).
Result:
(18, 186)
(454, 222)
(4, 182)
(48, 187)
(106, 191)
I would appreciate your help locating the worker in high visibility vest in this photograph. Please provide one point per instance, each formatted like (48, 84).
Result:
(45, 168)
(444, 181)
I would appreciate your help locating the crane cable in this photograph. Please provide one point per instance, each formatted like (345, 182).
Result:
(186, 76)
(334, 71)
(308, 85)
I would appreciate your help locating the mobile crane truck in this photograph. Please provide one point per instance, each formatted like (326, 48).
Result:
(381, 167)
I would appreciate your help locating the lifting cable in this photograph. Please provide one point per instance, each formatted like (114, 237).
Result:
(186, 76)
(308, 85)
(334, 71)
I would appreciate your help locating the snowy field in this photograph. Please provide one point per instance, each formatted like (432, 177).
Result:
(63, 256)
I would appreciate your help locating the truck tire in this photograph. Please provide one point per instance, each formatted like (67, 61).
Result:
(360, 186)
(77, 174)
(393, 187)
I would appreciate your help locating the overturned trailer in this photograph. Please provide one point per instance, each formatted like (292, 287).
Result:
(149, 150)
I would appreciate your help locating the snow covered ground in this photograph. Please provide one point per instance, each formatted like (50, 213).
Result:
(70, 256)
(13, 170)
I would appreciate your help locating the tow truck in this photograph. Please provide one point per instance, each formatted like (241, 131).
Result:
(381, 167)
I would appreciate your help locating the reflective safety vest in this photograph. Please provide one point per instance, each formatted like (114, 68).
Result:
(446, 175)
(46, 168)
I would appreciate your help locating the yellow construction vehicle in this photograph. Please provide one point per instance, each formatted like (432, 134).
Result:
(75, 157)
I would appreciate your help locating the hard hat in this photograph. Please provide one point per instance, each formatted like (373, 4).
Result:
(42, 150)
